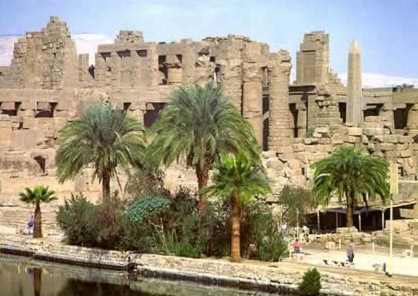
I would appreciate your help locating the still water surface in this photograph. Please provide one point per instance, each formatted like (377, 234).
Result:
(27, 277)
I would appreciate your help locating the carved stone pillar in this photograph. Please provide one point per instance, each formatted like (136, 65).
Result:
(175, 75)
(279, 118)
(387, 115)
(412, 122)
(175, 70)
(302, 121)
(252, 104)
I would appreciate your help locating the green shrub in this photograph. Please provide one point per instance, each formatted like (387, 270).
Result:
(144, 183)
(110, 220)
(148, 207)
(311, 283)
(78, 219)
(259, 228)
(90, 225)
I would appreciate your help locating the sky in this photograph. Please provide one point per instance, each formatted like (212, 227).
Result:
(387, 31)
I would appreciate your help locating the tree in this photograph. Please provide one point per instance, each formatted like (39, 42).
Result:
(351, 176)
(311, 283)
(38, 195)
(239, 180)
(196, 127)
(295, 201)
(103, 137)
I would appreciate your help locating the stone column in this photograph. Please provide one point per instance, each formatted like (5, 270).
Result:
(175, 75)
(5, 131)
(175, 70)
(412, 122)
(387, 115)
(252, 104)
(354, 85)
(279, 119)
(302, 121)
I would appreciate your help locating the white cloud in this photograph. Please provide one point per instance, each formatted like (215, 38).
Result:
(371, 80)
(87, 43)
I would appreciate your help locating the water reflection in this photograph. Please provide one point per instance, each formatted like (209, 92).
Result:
(26, 277)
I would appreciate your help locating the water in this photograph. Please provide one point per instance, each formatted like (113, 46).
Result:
(27, 277)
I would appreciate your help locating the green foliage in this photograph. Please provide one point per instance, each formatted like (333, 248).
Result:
(76, 217)
(148, 207)
(348, 170)
(259, 228)
(92, 225)
(40, 194)
(294, 199)
(197, 125)
(311, 283)
(238, 175)
(104, 138)
(110, 221)
(143, 183)
(351, 176)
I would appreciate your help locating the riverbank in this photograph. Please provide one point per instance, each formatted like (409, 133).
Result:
(280, 277)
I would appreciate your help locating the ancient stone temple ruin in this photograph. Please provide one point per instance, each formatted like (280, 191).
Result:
(48, 85)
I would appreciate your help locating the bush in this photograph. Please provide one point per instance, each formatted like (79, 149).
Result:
(145, 183)
(77, 218)
(259, 229)
(110, 220)
(148, 207)
(311, 283)
(296, 203)
(90, 225)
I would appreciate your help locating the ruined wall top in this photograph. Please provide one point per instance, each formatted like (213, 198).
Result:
(46, 59)
(313, 59)
(128, 36)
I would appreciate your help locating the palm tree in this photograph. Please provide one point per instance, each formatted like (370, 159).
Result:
(102, 137)
(196, 127)
(350, 175)
(239, 180)
(40, 194)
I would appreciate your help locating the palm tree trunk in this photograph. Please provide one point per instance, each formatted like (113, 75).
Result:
(350, 208)
(37, 281)
(235, 228)
(37, 222)
(202, 174)
(106, 184)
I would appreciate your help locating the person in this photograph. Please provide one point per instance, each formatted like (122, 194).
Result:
(29, 228)
(296, 246)
(284, 228)
(350, 251)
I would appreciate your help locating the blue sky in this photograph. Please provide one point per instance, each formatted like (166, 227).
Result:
(386, 30)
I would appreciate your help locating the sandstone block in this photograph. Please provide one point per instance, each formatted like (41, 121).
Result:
(355, 131)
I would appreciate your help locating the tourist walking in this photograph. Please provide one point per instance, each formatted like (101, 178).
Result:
(284, 228)
(350, 251)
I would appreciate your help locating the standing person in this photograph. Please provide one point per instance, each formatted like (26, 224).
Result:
(29, 227)
(296, 246)
(284, 228)
(350, 251)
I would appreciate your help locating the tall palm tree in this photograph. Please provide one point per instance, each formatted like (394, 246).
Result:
(239, 180)
(103, 137)
(196, 127)
(351, 176)
(40, 194)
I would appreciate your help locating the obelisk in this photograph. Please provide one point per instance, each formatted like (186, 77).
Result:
(354, 85)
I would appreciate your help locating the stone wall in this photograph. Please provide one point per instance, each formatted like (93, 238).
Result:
(47, 85)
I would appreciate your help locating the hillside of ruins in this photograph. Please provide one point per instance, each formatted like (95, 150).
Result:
(297, 123)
